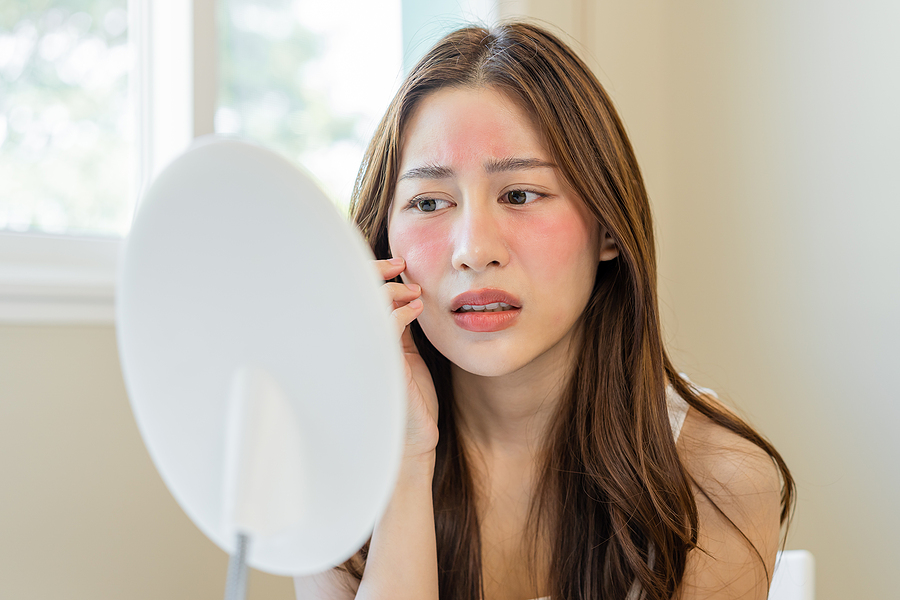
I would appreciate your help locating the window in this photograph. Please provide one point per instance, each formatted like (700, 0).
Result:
(304, 80)
(92, 67)
(65, 127)
(98, 95)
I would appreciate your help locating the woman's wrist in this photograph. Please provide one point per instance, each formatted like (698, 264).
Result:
(402, 560)
(418, 465)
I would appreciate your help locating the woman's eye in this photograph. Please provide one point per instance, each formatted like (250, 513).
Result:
(520, 196)
(426, 204)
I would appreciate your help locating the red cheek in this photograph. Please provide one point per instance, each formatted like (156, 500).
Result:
(552, 242)
(423, 247)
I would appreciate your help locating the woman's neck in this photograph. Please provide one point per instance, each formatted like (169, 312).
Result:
(508, 417)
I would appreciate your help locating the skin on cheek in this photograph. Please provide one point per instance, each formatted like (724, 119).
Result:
(554, 242)
(421, 246)
(567, 259)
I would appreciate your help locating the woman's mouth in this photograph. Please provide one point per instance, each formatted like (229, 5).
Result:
(485, 310)
(493, 307)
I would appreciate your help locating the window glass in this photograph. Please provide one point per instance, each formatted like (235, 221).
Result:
(65, 135)
(309, 79)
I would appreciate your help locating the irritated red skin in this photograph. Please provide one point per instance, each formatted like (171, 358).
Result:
(544, 252)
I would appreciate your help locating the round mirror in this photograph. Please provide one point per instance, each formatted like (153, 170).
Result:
(237, 263)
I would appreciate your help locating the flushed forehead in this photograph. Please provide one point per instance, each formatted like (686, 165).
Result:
(462, 126)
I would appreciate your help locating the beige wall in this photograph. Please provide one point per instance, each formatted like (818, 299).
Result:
(769, 136)
(83, 513)
(770, 141)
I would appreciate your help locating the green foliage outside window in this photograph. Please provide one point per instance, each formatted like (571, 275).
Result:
(269, 89)
(65, 130)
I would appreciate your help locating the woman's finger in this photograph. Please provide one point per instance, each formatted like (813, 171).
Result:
(406, 314)
(407, 343)
(399, 294)
(390, 268)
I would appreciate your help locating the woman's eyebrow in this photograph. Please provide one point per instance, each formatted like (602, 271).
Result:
(516, 164)
(428, 172)
(491, 166)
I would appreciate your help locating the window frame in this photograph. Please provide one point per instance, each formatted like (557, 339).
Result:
(55, 279)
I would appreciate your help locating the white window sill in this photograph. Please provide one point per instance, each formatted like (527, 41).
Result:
(57, 279)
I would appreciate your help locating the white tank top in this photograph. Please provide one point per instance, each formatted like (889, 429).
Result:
(678, 409)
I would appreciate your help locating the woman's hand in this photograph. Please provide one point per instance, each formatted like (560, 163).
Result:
(422, 410)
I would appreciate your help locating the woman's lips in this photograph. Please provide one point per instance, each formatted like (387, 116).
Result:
(483, 297)
(489, 319)
(486, 321)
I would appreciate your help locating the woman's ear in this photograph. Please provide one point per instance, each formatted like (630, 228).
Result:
(608, 247)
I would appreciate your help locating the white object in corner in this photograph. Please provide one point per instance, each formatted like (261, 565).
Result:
(795, 576)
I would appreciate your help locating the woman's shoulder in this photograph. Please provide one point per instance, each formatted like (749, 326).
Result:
(723, 460)
(737, 487)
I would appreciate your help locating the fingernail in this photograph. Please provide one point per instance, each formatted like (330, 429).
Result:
(416, 288)
(415, 303)
(396, 261)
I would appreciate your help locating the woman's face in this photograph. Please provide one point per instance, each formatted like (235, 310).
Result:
(506, 254)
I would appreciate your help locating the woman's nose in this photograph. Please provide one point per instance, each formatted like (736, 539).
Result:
(479, 241)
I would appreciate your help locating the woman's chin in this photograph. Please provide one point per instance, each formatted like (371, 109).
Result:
(489, 355)
(491, 364)
(482, 370)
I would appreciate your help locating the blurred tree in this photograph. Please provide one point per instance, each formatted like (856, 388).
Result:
(271, 87)
(65, 135)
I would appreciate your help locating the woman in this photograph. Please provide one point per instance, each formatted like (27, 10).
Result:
(552, 449)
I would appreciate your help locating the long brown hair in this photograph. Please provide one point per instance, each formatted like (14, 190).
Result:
(613, 498)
